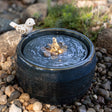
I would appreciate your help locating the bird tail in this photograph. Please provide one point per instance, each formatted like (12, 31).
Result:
(14, 25)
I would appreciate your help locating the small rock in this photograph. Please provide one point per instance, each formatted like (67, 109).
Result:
(69, 110)
(107, 85)
(52, 108)
(3, 88)
(14, 95)
(99, 54)
(108, 109)
(10, 78)
(104, 51)
(4, 25)
(101, 65)
(3, 99)
(37, 106)
(91, 110)
(5, 66)
(107, 59)
(82, 108)
(101, 100)
(14, 108)
(100, 69)
(78, 104)
(29, 107)
(9, 90)
(95, 96)
(110, 73)
(29, 1)
(103, 92)
(105, 40)
(17, 103)
(97, 107)
(25, 97)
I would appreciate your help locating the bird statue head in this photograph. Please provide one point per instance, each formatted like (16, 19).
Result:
(30, 22)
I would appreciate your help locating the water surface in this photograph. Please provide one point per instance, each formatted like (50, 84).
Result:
(76, 52)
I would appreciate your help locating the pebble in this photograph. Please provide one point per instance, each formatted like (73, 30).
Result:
(107, 59)
(91, 110)
(37, 106)
(103, 92)
(99, 54)
(95, 96)
(82, 108)
(10, 78)
(3, 99)
(9, 90)
(107, 85)
(52, 107)
(14, 108)
(78, 104)
(14, 95)
(17, 103)
(24, 97)
(101, 100)
(29, 107)
(104, 51)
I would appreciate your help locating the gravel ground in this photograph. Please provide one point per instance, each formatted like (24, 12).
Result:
(97, 99)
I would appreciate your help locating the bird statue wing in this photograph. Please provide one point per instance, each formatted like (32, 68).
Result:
(13, 24)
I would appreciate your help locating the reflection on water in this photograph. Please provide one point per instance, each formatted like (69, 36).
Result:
(76, 51)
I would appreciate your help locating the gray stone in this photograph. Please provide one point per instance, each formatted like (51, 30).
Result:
(107, 85)
(38, 11)
(101, 65)
(82, 108)
(107, 59)
(14, 95)
(108, 109)
(14, 108)
(99, 54)
(101, 100)
(4, 25)
(97, 107)
(104, 51)
(10, 78)
(104, 40)
(3, 99)
(110, 73)
(78, 104)
(103, 92)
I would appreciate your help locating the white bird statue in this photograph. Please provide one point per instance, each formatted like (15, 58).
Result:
(24, 28)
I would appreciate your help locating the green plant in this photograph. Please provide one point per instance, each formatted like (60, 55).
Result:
(72, 17)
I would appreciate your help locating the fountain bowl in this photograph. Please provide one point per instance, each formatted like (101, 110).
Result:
(52, 84)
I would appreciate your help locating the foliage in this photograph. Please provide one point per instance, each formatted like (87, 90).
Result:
(72, 17)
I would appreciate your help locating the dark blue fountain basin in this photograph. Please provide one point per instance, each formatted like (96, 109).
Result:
(62, 79)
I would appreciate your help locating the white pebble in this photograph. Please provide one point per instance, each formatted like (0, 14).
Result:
(14, 108)
(37, 106)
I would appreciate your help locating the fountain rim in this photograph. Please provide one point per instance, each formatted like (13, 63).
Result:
(81, 63)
